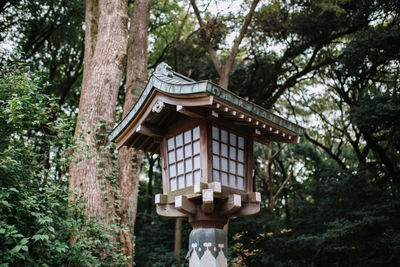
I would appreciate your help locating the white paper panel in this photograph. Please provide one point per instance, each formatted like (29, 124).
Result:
(215, 176)
(224, 136)
(240, 183)
(224, 164)
(197, 177)
(188, 150)
(240, 169)
(224, 179)
(172, 170)
(196, 147)
(196, 133)
(224, 150)
(171, 157)
(215, 147)
(215, 162)
(173, 184)
(178, 140)
(232, 166)
(196, 162)
(188, 136)
(181, 181)
(179, 153)
(171, 143)
(232, 139)
(189, 179)
(180, 168)
(215, 133)
(188, 165)
(240, 155)
(232, 152)
(232, 180)
(241, 142)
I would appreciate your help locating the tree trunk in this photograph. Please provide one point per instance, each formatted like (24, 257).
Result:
(105, 54)
(130, 160)
(178, 240)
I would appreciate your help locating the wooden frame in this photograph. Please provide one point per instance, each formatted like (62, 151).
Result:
(247, 169)
(180, 128)
(206, 155)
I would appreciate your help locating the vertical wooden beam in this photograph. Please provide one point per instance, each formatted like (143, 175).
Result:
(249, 164)
(164, 166)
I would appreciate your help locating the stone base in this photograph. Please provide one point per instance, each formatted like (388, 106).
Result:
(207, 248)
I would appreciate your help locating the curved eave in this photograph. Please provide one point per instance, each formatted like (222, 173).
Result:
(185, 88)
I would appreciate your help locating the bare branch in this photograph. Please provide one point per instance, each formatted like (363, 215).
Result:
(284, 182)
(238, 40)
(206, 39)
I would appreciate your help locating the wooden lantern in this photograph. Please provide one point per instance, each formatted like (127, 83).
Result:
(205, 136)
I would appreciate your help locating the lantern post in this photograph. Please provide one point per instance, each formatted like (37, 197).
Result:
(204, 135)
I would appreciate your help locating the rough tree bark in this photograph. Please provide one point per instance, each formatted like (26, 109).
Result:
(130, 160)
(223, 69)
(105, 54)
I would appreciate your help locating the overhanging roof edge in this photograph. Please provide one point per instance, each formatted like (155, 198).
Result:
(167, 87)
(166, 82)
(253, 108)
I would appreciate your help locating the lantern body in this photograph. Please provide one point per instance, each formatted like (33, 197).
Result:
(206, 151)
(204, 135)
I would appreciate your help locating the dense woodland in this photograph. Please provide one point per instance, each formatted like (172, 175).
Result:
(332, 66)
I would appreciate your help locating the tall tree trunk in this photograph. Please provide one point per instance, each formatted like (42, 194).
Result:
(130, 160)
(178, 240)
(105, 54)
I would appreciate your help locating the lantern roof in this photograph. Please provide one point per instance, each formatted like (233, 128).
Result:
(169, 96)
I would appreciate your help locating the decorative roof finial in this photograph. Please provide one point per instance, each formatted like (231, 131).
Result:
(164, 69)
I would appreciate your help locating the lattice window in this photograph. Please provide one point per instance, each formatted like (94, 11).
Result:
(228, 158)
(184, 159)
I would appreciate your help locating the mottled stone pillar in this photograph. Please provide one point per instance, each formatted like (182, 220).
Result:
(208, 247)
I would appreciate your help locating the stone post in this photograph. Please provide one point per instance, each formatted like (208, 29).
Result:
(207, 248)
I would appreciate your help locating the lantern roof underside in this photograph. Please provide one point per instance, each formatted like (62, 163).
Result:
(169, 97)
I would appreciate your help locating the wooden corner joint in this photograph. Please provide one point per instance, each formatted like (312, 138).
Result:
(160, 199)
(207, 201)
(215, 186)
(197, 188)
(253, 197)
(232, 204)
(184, 205)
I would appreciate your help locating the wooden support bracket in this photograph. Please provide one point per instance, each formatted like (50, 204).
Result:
(184, 205)
(161, 199)
(169, 211)
(231, 205)
(247, 209)
(254, 197)
(150, 131)
(208, 201)
(188, 112)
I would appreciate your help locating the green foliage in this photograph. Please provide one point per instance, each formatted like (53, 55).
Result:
(349, 222)
(36, 221)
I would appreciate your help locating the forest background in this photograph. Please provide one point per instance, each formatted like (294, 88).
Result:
(331, 66)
